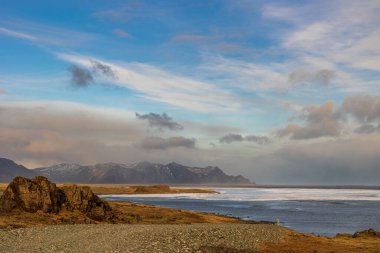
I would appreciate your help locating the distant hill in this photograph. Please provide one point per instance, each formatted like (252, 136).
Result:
(140, 173)
(10, 170)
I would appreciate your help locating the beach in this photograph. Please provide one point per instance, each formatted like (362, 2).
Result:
(200, 238)
(138, 238)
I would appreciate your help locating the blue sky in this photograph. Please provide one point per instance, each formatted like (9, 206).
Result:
(261, 88)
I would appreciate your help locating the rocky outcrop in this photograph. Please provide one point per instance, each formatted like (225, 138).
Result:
(366, 233)
(83, 199)
(31, 195)
(39, 194)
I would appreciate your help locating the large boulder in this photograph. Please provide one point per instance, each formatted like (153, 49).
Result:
(31, 195)
(39, 194)
(83, 199)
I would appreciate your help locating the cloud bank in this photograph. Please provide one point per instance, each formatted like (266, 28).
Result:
(41, 133)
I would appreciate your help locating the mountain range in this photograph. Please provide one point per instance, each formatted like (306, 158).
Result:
(9, 169)
(116, 173)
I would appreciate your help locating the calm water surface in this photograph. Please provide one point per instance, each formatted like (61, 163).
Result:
(319, 211)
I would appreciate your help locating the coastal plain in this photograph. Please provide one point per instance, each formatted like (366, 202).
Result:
(147, 228)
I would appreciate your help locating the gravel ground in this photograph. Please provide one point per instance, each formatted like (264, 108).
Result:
(138, 238)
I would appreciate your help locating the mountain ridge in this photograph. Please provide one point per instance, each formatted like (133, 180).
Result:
(142, 172)
(134, 173)
(9, 170)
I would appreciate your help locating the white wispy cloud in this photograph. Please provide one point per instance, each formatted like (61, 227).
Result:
(43, 34)
(156, 84)
(247, 75)
(340, 34)
(340, 37)
(16, 34)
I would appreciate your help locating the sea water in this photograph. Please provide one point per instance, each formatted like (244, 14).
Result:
(318, 211)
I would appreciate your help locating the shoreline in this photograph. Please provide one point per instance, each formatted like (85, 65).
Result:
(169, 229)
(205, 188)
(17, 227)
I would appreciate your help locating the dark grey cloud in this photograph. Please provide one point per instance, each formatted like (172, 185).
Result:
(258, 139)
(160, 122)
(367, 129)
(83, 77)
(301, 76)
(326, 120)
(104, 69)
(80, 77)
(172, 142)
(363, 108)
(324, 76)
(229, 138)
(288, 130)
(317, 113)
(320, 121)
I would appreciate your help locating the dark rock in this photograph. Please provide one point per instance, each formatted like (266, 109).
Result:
(39, 194)
(83, 199)
(32, 195)
(367, 233)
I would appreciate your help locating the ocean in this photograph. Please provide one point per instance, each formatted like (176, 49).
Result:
(318, 211)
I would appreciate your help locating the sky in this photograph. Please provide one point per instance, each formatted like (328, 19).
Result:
(282, 92)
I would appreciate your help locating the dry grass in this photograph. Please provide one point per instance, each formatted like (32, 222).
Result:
(143, 189)
(3, 187)
(104, 189)
(18, 219)
(125, 213)
(148, 214)
(295, 242)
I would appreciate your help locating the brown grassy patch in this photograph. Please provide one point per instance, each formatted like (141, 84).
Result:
(140, 213)
(125, 213)
(3, 187)
(295, 242)
(18, 219)
(103, 189)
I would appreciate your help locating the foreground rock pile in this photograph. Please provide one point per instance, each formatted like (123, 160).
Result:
(39, 194)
